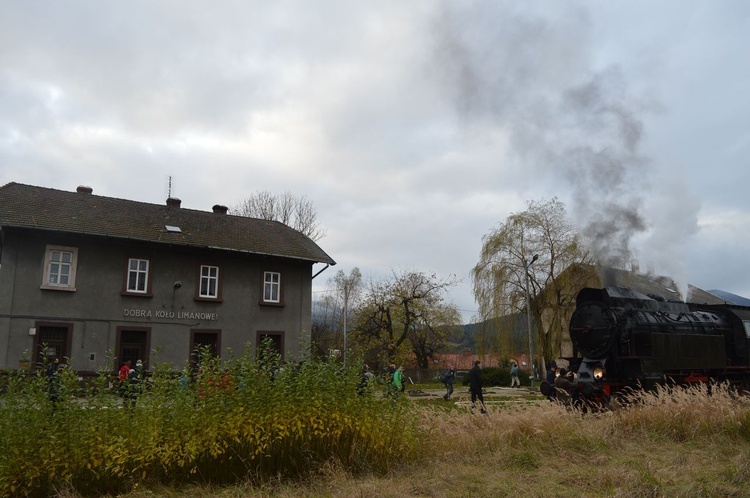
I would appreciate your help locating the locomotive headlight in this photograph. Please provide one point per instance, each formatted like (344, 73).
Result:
(599, 372)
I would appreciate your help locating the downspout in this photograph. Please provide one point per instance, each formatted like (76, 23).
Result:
(321, 271)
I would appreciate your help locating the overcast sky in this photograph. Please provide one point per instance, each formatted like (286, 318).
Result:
(414, 127)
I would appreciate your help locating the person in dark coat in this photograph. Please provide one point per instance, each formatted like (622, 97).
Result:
(475, 386)
(449, 377)
(566, 384)
(53, 380)
(551, 376)
(367, 378)
(133, 389)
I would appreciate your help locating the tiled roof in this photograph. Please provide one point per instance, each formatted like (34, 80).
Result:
(27, 206)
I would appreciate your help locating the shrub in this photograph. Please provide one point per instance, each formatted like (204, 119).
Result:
(244, 419)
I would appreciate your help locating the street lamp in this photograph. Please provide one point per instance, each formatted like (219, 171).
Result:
(526, 266)
(346, 312)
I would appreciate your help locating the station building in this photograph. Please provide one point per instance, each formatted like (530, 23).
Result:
(97, 280)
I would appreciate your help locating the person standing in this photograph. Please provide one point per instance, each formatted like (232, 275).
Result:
(132, 389)
(53, 380)
(552, 373)
(124, 370)
(390, 374)
(551, 376)
(566, 385)
(367, 378)
(475, 386)
(398, 380)
(448, 378)
(122, 377)
(140, 370)
(514, 380)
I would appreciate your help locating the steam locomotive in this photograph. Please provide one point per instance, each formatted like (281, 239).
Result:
(624, 339)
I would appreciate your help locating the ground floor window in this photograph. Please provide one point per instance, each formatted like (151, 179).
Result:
(133, 345)
(52, 341)
(207, 341)
(275, 338)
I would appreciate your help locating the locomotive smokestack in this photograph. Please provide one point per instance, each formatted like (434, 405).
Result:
(609, 277)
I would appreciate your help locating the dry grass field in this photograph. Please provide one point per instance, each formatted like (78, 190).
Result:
(687, 443)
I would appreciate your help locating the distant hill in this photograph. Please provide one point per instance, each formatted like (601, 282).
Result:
(731, 298)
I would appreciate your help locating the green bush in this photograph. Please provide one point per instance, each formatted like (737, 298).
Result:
(244, 419)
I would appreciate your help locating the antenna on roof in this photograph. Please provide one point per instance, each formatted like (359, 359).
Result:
(170, 187)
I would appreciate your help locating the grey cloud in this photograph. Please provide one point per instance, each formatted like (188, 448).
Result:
(411, 125)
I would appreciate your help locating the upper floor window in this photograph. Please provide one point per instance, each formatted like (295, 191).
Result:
(271, 287)
(137, 276)
(60, 268)
(209, 282)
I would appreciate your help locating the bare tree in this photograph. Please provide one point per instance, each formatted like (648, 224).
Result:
(405, 314)
(561, 268)
(324, 332)
(333, 312)
(296, 212)
(348, 288)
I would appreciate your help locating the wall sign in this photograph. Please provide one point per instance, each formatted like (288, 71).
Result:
(169, 315)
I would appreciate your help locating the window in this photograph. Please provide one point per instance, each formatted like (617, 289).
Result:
(271, 287)
(133, 344)
(204, 342)
(273, 340)
(52, 340)
(137, 276)
(60, 268)
(209, 286)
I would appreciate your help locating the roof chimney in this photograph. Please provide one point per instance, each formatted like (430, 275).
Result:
(173, 202)
(82, 189)
(219, 209)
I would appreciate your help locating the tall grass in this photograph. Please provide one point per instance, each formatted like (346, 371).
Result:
(305, 433)
(246, 420)
(671, 442)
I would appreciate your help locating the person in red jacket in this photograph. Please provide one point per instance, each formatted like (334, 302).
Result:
(122, 377)
(124, 370)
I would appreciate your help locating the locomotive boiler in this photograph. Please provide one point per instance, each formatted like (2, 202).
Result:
(624, 339)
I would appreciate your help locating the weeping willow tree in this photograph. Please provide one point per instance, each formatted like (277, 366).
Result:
(536, 253)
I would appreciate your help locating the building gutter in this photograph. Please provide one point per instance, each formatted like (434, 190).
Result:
(321, 271)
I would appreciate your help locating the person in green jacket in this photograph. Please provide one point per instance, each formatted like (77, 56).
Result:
(398, 381)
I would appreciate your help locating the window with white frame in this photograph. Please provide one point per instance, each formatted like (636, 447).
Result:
(271, 287)
(137, 275)
(209, 286)
(60, 268)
